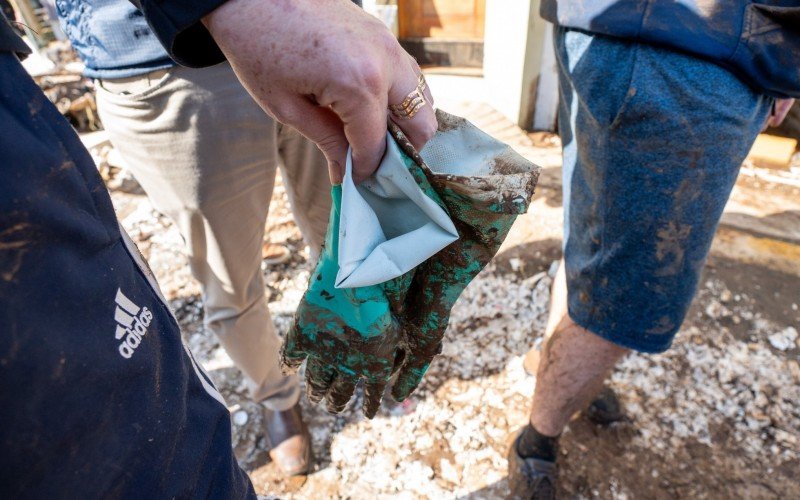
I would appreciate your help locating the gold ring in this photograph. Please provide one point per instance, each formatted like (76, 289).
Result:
(412, 103)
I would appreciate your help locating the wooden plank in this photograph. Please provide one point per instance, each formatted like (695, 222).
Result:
(446, 19)
(770, 151)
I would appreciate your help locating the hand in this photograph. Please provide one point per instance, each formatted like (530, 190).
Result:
(339, 357)
(326, 68)
(779, 111)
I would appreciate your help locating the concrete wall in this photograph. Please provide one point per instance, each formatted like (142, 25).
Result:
(514, 52)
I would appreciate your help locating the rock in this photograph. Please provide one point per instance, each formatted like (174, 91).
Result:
(794, 369)
(449, 472)
(240, 418)
(95, 140)
(784, 339)
(716, 310)
(115, 159)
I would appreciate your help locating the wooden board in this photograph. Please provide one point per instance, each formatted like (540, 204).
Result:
(445, 19)
(770, 151)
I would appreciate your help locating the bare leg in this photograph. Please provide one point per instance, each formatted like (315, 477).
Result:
(558, 301)
(573, 365)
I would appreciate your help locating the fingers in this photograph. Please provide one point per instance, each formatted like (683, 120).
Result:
(319, 378)
(407, 380)
(291, 357)
(342, 390)
(421, 128)
(340, 393)
(323, 382)
(290, 362)
(365, 110)
(321, 126)
(365, 129)
(427, 91)
(373, 393)
(780, 109)
(337, 390)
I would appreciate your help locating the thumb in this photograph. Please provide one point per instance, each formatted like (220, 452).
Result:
(292, 355)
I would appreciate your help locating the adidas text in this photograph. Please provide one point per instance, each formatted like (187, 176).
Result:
(132, 322)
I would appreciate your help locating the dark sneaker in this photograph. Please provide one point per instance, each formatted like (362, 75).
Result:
(530, 478)
(605, 409)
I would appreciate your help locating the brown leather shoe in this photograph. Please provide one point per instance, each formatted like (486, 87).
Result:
(274, 253)
(290, 441)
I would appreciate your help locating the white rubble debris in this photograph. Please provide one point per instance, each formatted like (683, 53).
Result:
(784, 339)
(240, 418)
(450, 439)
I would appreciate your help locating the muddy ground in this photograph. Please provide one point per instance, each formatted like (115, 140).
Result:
(717, 416)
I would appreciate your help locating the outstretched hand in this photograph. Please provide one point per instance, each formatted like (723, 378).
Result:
(326, 68)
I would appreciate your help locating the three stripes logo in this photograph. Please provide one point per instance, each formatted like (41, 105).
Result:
(132, 322)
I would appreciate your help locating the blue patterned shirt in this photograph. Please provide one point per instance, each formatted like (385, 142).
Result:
(112, 37)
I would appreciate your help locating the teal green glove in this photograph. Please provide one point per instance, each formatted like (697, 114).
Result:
(368, 333)
(483, 209)
(348, 334)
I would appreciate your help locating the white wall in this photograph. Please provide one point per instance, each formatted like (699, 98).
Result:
(514, 46)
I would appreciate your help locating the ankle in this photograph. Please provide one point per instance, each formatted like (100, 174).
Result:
(546, 424)
(533, 444)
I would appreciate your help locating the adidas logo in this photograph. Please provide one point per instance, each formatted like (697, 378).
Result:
(132, 322)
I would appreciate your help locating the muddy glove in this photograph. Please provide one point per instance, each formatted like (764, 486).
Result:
(369, 332)
(346, 334)
(484, 185)
(352, 334)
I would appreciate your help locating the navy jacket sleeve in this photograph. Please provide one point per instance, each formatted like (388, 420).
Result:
(10, 41)
(177, 25)
(99, 397)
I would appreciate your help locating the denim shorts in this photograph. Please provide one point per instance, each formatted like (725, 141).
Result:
(653, 140)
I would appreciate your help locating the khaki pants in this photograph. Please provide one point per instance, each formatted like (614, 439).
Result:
(206, 155)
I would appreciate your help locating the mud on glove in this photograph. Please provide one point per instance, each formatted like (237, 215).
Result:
(483, 200)
(348, 334)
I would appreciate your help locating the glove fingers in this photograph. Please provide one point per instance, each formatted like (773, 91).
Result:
(399, 360)
(408, 379)
(373, 393)
(319, 378)
(340, 392)
(291, 361)
(291, 356)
